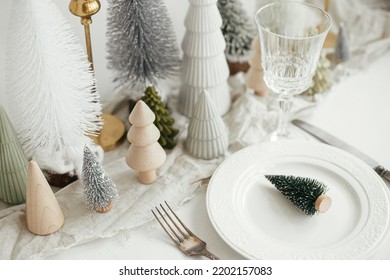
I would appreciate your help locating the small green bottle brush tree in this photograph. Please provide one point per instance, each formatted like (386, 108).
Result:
(163, 120)
(305, 193)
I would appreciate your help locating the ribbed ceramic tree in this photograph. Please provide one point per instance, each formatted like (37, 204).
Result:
(254, 77)
(204, 64)
(163, 121)
(49, 86)
(341, 51)
(207, 136)
(99, 189)
(142, 47)
(145, 154)
(13, 163)
(238, 30)
(43, 213)
(305, 193)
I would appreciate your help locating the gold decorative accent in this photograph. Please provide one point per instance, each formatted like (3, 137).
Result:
(111, 134)
(85, 9)
(113, 128)
(330, 39)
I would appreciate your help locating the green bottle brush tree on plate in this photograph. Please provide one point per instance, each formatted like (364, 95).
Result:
(305, 193)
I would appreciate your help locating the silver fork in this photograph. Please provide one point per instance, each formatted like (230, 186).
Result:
(185, 240)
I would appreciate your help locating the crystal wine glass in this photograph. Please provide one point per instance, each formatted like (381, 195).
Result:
(291, 38)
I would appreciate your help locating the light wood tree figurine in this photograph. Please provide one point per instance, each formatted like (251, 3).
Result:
(13, 163)
(43, 213)
(145, 154)
(204, 64)
(207, 133)
(254, 77)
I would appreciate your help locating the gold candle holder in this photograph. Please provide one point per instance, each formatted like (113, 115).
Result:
(113, 128)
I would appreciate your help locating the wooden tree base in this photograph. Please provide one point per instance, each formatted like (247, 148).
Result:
(147, 177)
(236, 67)
(105, 209)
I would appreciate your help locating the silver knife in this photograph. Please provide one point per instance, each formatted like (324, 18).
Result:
(334, 141)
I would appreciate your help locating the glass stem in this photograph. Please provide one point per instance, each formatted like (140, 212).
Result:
(285, 102)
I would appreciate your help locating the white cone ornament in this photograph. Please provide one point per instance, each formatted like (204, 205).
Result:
(145, 154)
(204, 63)
(207, 133)
(43, 213)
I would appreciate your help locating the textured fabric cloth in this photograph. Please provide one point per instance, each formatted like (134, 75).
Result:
(176, 183)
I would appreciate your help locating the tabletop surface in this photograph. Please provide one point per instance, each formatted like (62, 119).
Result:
(355, 110)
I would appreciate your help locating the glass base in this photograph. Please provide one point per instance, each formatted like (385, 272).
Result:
(293, 133)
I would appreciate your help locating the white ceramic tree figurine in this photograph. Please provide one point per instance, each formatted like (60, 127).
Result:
(49, 86)
(145, 154)
(207, 133)
(13, 163)
(254, 77)
(204, 65)
(43, 213)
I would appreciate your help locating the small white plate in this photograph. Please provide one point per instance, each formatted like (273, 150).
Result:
(258, 222)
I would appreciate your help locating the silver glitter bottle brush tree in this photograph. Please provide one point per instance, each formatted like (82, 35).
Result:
(142, 47)
(99, 189)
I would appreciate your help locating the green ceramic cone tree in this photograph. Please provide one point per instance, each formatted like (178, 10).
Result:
(13, 164)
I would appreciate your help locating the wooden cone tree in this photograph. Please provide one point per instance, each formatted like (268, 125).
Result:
(13, 163)
(204, 64)
(145, 154)
(254, 77)
(43, 213)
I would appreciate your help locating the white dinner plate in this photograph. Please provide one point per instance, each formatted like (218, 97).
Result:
(258, 222)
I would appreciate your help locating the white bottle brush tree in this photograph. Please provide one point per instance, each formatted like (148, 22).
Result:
(238, 30)
(142, 47)
(49, 86)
